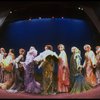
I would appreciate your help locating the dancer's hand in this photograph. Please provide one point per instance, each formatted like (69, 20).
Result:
(39, 67)
(22, 63)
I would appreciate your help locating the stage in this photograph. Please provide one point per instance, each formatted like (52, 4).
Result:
(26, 24)
(93, 93)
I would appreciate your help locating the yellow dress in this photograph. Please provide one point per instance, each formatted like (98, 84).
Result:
(8, 69)
(6, 63)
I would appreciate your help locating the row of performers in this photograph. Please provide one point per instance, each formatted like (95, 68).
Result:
(17, 74)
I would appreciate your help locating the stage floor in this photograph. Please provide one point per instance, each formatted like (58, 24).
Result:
(93, 93)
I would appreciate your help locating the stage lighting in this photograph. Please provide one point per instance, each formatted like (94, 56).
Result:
(39, 17)
(30, 18)
(79, 8)
(62, 17)
(10, 12)
(82, 9)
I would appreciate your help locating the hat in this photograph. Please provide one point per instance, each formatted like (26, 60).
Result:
(73, 48)
(87, 46)
(98, 50)
(97, 47)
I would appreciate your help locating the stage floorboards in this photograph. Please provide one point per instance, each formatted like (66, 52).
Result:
(93, 93)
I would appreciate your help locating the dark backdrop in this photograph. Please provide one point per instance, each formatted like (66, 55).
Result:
(39, 32)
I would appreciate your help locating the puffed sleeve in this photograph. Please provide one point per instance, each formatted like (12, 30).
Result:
(39, 57)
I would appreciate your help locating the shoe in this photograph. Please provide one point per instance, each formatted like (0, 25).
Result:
(10, 90)
(15, 91)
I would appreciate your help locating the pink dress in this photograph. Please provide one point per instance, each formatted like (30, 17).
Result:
(63, 73)
(90, 60)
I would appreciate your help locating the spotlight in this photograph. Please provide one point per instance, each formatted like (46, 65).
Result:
(62, 17)
(10, 12)
(82, 9)
(52, 16)
(39, 17)
(30, 18)
(79, 8)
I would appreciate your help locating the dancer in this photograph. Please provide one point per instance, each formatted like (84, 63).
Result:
(89, 65)
(78, 82)
(2, 54)
(2, 57)
(63, 70)
(8, 70)
(98, 64)
(31, 85)
(18, 73)
(47, 59)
